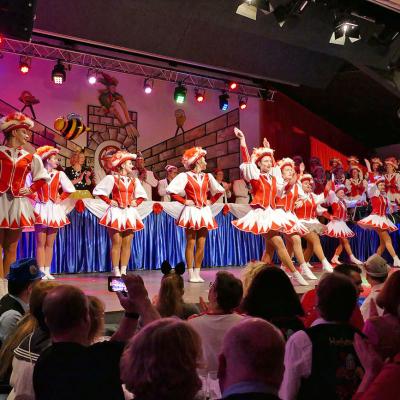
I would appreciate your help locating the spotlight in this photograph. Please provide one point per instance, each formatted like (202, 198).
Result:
(249, 8)
(148, 85)
(24, 64)
(224, 101)
(92, 76)
(243, 102)
(58, 74)
(180, 94)
(233, 85)
(345, 27)
(199, 94)
(1, 39)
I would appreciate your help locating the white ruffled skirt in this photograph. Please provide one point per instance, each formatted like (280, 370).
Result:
(338, 229)
(313, 225)
(195, 218)
(122, 219)
(298, 227)
(16, 212)
(52, 215)
(374, 221)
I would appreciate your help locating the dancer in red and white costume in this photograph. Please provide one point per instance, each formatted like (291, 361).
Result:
(265, 218)
(190, 189)
(378, 221)
(337, 227)
(16, 211)
(121, 216)
(50, 212)
(356, 186)
(374, 168)
(306, 210)
(392, 181)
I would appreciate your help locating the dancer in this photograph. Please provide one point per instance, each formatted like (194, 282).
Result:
(392, 181)
(265, 218)
(190, 189)
(306, 210)
(51, 214)
(337, 227)
(378, 221)
(121, 217)
(16, 211)
(374, 169)
(356, 186)
(171, 171)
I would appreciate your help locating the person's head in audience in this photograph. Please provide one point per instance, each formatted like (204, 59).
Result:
(96, 313)
(253, 351)
(376, 270)
(219, 175)
(161, 361)
(225, 293)
(389, 296)
(66, 313)
(170, 296)
(172, 171)
(353, 272)
(271, 295)
(336, 297)
(250, 271)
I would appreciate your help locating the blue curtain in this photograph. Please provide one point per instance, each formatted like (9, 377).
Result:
(84, 246)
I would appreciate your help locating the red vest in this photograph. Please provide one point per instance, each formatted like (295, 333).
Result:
(356, 189)
(13, 171)
(195, 192)
(308, 210)
(49, 191)
(339, 210)
(264, 192)
(288, 200)
(122, 194)
(379, 205)
(391, 186)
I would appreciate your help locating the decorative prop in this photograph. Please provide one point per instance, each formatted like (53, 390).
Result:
(28, 100)
(180, 117)
(157, 208)
(166, 268)
(70, 127)
(114, 103)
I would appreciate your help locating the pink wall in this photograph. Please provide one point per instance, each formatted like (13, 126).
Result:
(156, 120)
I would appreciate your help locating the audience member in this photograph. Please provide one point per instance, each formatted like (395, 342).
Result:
(241, 191)
(13, 306)
(271, 296)
(321, 361)
(224, 297)
(96, 315)
(376, 271)
(219, 177)
(249, 273)
(161, 362)
(383, 332)
(170, 298)
(71, 368)
(251, 361)
(309, 300)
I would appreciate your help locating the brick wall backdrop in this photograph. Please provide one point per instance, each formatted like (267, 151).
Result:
(216, 136)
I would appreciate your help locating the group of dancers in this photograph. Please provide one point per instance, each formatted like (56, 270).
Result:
(283, 209)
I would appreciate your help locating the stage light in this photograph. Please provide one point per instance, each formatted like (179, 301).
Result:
(224, 101)
(243, 102)
(92, 77)
(24, 64)
(148, 85)
(249, 8)
(58, 75)
(199, 94)
(345, 27)
(233, 85)
(292, 9)
(1, 39)
(180, 94)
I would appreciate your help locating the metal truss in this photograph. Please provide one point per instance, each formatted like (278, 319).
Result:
(107, 63)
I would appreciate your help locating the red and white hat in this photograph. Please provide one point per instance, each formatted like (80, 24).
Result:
(306, 177)
(259, 153)
(15, 120)
(120, 157)
(353, 159)
(379, 179)
(46, 151)
(391, 161)
(191, 156)
(286, 162)
(170, 168)
(335, 159)
(340, 187)
(376, 160)
(355, 167)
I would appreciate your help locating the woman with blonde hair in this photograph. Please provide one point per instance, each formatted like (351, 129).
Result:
(250, 271)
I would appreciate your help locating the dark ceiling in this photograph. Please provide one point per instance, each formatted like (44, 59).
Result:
(344, 84)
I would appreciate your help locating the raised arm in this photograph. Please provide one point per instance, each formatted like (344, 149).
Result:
(243, 146)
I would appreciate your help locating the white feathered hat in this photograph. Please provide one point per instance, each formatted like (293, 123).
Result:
(259, 153)
(120, 157)
(15, 120)
(191, 156)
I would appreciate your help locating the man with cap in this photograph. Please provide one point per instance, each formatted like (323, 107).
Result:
(377, 271)
(146, 177)
(171, 171)
(23, 274)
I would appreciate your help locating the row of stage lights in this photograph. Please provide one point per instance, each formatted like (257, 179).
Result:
(59, 76)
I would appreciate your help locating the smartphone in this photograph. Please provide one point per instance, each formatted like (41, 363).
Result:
(116, 284)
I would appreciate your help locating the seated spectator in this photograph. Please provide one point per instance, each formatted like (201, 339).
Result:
(321, 361)
(161, 361)
(271, 296)
(241, 191)
(13, 306)
(224, 297)
(309, 300)
(71, 368)
(383, 332)
(381, 380)
(22, 348)
(376, 271)
(251, 269)
(96, 315)
(169, 301)
(251, 361)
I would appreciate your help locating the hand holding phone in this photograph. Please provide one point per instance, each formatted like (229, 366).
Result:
(116, 284)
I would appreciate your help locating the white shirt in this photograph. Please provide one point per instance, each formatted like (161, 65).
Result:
(162, 190)
(227, 195)
(241, 191)
(106, 185)
(366, 306)
(148, 183)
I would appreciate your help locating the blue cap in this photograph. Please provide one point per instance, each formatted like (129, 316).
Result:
(24, 270)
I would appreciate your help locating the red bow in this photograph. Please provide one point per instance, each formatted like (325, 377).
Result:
(225, 210)
(157, 208)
